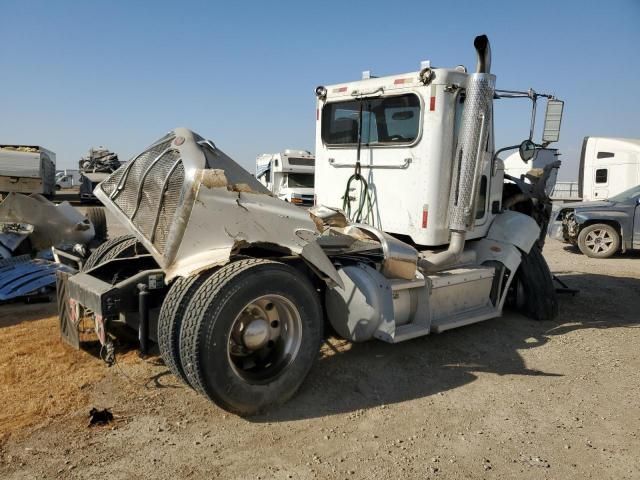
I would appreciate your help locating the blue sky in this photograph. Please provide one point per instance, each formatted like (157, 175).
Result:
(76, 74)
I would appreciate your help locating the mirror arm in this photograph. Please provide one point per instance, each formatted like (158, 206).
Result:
(533, 115)
(495, 157)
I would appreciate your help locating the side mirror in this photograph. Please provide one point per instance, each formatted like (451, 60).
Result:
(552, 121)
(527, 150)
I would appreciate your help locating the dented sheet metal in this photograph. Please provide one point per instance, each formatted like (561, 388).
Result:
(52, 224)
(23, 277)
(222, 209)
(225, 219)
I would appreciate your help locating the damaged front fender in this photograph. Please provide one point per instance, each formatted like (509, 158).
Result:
(194, 208)
(228, 218)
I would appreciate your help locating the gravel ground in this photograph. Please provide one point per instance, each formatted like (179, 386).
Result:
(507, 398)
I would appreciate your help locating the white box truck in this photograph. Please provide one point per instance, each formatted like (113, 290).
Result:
(289, 175)
(608, 166)
(27, 169)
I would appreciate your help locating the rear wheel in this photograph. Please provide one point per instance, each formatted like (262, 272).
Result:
(174, 307)
(534, 293)
(118, 247)
(251, 334)
(599, 241)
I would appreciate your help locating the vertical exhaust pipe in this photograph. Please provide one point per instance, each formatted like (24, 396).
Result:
(483, 51)
(476, 120)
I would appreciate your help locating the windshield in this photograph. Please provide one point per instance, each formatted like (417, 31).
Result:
(390, 120)
(627, 195)
(300, 180)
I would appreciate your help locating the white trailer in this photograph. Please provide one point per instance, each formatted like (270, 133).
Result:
(608, 166)
(289, 175)
(27, 169)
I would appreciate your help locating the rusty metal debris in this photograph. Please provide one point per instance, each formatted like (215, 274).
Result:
(99, 159)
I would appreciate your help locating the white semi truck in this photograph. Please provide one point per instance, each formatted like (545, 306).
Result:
(608, 166)
(289, 175)
(27, 169)
(236, 285)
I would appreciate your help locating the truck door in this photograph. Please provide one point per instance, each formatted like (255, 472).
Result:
(601, 183)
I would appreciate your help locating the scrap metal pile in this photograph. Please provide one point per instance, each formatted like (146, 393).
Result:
(99, 160)
(35, 237)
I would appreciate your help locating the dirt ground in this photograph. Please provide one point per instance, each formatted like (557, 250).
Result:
(507, 398)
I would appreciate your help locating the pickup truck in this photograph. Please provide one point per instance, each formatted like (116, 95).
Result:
(600, 229)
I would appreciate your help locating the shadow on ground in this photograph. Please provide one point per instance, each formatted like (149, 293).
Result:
(358, 376)
(374, 373)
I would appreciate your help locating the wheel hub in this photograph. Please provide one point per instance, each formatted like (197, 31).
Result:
(256, 334)
(265, 337)
(598, 241)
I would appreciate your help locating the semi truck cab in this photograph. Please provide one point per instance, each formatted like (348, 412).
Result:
(289, 175)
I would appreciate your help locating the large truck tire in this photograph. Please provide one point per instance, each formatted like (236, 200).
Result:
(535, 293)
(599, 241)
(118, 247)
(98, 219)
(251, 334)
(174, 307)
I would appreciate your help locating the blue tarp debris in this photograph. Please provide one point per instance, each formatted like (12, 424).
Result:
(22, 277)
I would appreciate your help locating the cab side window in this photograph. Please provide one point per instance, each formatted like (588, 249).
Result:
(601, 175)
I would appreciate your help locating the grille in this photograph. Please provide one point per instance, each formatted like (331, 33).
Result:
(148, 191)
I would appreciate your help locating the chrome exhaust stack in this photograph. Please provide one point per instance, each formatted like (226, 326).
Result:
(472, 139)
(483, 50)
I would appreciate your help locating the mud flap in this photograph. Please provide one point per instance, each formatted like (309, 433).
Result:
(68, 311)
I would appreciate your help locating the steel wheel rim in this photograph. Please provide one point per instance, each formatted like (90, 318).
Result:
(599, 240)
(264, 338)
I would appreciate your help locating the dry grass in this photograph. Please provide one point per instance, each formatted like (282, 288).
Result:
(41, 378)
